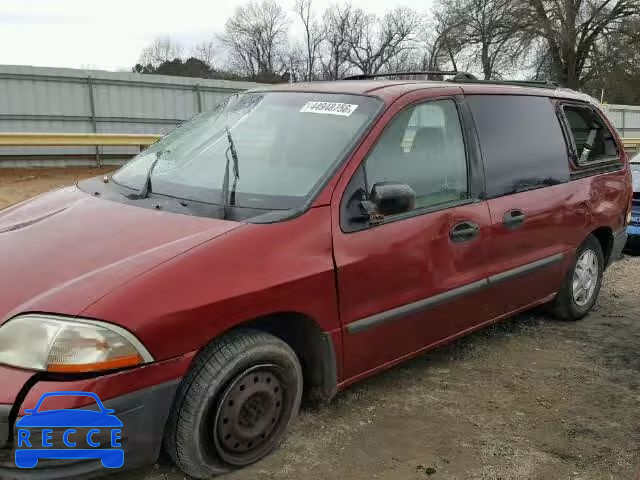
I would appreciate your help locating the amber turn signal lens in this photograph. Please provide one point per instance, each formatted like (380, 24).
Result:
(116, 363)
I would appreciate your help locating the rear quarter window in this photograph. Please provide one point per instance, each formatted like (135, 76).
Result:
(591, 140)
(522, 143)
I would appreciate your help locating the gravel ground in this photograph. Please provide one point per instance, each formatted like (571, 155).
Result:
(528, 398)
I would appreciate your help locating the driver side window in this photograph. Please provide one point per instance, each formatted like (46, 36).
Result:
(423, 147)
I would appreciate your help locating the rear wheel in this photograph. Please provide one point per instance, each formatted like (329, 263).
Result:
(581, 287)
(235, 404)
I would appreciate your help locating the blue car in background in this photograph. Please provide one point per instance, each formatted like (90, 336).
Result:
(32, 447)
(633, 230)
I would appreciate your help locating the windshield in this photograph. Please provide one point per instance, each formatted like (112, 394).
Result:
(284, 145)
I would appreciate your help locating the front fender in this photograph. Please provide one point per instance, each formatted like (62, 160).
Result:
(250, 272)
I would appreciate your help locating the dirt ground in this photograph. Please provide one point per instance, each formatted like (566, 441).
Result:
(17, 184)
(530, 398)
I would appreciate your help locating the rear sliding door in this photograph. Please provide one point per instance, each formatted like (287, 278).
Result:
(526, 166)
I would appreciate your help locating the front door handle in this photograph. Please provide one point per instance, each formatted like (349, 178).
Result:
(513, 219)
(464, 232)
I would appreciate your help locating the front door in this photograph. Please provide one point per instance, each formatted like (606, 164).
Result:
(417, 278)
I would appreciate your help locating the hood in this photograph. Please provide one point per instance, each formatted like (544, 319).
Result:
(63, 251)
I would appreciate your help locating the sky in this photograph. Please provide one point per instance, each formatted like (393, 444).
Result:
(110, 34)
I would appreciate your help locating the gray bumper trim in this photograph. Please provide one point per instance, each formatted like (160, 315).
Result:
(619, 241)
(143, 414)
(5, 410)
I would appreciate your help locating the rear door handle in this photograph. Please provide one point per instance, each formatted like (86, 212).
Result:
(464, 232)
(513, 219)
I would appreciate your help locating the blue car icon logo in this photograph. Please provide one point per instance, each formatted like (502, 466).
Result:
(36, 429)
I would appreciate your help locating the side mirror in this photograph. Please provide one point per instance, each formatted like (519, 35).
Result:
(391, 198)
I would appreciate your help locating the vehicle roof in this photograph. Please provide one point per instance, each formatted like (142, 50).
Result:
(389, 90)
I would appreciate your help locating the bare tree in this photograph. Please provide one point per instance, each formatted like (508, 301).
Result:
(443, 44)
(335, 49)
(314, 34)
(292, 63)
(255, 36)
(539, 60)
(205, 51)
(374, 41)
(492, 31)
(614, 70)
(572, 30)
(409, 60)
(163, 49)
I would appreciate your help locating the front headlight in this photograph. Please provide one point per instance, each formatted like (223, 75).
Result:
(64, 345)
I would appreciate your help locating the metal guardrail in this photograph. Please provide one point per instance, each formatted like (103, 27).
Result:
(10, 139)
(75, 139)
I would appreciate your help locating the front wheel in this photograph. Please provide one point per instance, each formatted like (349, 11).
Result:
(582, 284)
(235, 404)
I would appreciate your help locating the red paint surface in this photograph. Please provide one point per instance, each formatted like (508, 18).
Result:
(558, 219)
(11, 381)
(250, 272)
(403, 262)
(67, 249)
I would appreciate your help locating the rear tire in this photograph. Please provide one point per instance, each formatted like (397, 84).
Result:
(581, 286)
(235, 405)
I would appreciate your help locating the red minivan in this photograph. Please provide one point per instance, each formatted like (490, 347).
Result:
(292, 241)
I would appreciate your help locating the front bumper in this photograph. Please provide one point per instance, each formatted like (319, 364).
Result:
(143, 414)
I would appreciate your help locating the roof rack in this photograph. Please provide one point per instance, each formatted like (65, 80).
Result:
(459, 77)
(369, 76)
(517, 83)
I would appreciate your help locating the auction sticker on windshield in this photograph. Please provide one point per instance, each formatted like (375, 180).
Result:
(329, 108)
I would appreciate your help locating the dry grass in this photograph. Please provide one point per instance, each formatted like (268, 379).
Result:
(18, 184)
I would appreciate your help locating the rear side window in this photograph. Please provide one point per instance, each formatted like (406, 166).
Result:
(522, 143)
(593, 142)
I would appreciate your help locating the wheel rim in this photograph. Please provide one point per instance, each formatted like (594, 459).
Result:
(249, 415)
(585, 277)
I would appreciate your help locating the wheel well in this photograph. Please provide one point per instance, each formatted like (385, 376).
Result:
(313, 347)
(605, 237)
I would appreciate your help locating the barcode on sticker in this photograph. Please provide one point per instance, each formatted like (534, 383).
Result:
(329, 108)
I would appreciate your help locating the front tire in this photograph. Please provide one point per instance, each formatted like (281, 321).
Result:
(235, 405)
(581, 286)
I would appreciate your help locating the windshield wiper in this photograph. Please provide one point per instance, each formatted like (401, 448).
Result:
(146, 186)
(226, 201)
